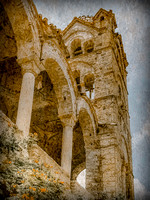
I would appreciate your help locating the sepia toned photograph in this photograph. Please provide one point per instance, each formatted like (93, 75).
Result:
(74, 100)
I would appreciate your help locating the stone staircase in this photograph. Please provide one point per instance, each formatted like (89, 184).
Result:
(37, 153)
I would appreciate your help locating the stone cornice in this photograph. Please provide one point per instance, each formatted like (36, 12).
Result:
(80, 21)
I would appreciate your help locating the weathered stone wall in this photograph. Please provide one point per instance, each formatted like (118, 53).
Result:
(10, 85)
(107, 154)
(8, 44)
(79, 90)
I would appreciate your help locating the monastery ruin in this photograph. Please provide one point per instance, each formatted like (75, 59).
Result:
(69, 87)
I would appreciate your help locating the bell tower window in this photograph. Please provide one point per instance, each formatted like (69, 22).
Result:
(89, 46)
(102, 18)
(102, 22)
(89, 85)
(77, 79)
(76, 47)
(78, 83)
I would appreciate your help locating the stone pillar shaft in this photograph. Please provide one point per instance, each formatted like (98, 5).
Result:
(25, 103)
(66, 156)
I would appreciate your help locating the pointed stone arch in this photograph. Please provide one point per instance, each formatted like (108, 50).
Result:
(59, 73)
(76, 48)
(88, 123)
(87, 117)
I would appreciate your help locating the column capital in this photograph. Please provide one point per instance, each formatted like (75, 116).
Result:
(68, 120)
(29, 65)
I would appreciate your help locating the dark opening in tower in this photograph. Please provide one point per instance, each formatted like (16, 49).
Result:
(76, 47)
(89, 85)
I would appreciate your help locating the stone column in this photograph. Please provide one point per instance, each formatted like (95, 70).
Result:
(67, 143)
(26, 97)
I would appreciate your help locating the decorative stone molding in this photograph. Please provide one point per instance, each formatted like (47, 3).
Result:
(68, 120)
(30, 64)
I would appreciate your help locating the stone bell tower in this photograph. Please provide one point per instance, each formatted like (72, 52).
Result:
(98, 62)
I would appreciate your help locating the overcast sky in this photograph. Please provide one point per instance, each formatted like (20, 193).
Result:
(133, 20)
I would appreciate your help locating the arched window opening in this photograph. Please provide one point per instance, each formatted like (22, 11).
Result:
(44, 119)
(89, 46)
(77, 79)
(78, 84)
(102, 21)
(76, 47)
(81, 178)
(101, 18)
(89, 86)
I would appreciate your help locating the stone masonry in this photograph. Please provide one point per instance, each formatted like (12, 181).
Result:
(70, 88)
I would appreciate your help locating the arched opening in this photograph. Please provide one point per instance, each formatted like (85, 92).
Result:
(87, 119)
(88, 125)
(76, 75)
(78, 177)
(81, 178)
(82, 69)
(84, 131)
(88, 46)
(102, 21)
(45, 121)
(61, 87)
(10, 71)
(54, 99)
(89, 85)
(76, 47)
(101, 18)
(78, 153)
(57, 69)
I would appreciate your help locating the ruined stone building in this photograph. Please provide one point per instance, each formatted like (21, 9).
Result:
(69, 87)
